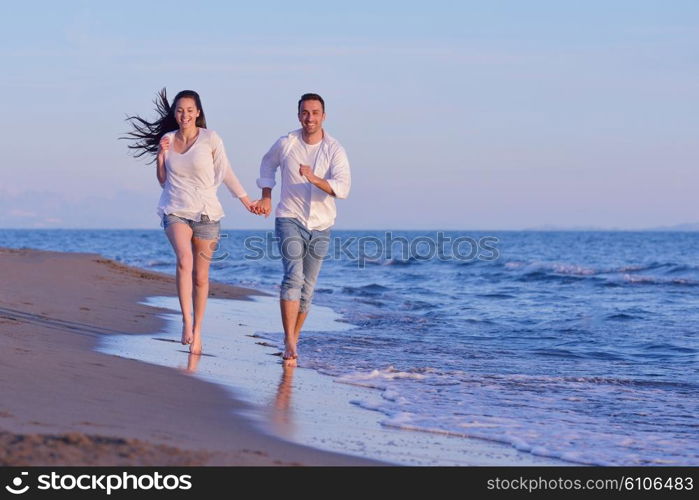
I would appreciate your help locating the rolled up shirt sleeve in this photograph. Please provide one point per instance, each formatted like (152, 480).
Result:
(340, 179)
(268, 166)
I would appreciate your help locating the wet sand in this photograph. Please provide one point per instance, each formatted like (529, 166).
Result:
(302, 404)
(63, 403)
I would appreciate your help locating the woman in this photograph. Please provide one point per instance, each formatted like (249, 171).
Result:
(191, 165)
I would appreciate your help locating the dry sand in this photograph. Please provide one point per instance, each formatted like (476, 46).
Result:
(65, 404)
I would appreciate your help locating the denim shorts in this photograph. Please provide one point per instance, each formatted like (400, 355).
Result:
(206, 229)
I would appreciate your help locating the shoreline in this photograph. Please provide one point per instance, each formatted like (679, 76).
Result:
(58, 311)
(67, 404)
(302, 405)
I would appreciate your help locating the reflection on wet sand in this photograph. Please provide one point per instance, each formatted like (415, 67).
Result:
(192, 363)
(281, 414)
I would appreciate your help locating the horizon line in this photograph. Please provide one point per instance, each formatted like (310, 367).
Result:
(541, 230)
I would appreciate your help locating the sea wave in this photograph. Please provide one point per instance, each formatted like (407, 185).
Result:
(370, 290)
(606, 276)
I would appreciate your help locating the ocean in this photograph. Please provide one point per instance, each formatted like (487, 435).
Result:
(576, 345)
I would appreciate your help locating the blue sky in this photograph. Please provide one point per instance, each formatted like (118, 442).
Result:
(455, 115)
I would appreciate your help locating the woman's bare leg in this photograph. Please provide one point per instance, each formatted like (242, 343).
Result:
(203, 251)
(180, 236)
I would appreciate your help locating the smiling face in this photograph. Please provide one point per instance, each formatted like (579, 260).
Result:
(311, 116)
(186, 113)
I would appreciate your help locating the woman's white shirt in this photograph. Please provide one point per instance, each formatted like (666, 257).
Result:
(193, 177)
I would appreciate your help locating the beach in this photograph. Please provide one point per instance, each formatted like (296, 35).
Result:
(548, 355)
(66, 404)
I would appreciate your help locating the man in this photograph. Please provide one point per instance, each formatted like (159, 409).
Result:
(314, 171)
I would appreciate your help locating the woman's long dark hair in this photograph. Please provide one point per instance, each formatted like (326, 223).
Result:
(146, 135)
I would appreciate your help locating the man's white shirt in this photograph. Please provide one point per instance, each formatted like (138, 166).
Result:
(312, 206)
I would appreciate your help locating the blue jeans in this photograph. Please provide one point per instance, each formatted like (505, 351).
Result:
(302, 254)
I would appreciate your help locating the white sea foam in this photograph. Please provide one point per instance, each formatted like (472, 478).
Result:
(389, 373)
(553, 267)
(481, 408)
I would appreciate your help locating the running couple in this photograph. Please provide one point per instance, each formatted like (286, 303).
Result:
(191, 165)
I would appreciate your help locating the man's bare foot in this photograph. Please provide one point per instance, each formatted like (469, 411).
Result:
(187, 334)
(290, 355)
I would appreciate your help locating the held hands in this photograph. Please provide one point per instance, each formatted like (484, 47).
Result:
(246, 203)
(261, 207)
(252, 206)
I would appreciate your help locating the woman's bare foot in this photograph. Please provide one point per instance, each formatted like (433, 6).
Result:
(195, 346)
(187, 334)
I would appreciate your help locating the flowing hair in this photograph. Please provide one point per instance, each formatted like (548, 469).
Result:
(146, 135)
